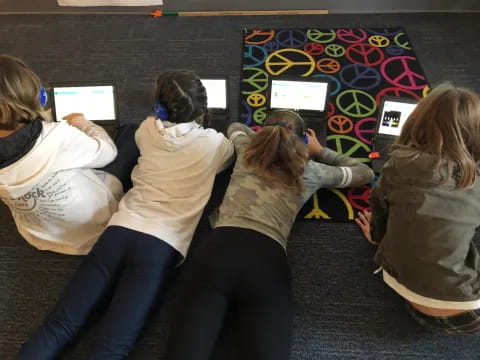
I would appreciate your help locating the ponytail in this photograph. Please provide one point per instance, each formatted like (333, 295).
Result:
(278, 154)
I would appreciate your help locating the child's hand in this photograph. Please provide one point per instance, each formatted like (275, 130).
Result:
(314, 146)
(363, 220)
(75, 119)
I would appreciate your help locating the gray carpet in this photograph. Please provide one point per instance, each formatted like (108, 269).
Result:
(343, 311)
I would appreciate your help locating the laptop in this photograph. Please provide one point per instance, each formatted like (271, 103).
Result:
(392, 115)
(95, 100)
(307, 96)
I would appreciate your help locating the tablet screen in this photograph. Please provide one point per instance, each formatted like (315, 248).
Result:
(394, 115)
(97, 103)
(216, 93)
(299, 95)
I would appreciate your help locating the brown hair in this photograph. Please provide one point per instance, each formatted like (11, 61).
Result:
(19, 93)
(447, 124)
(277, 152)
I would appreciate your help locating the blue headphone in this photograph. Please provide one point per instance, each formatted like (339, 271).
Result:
(43, 98)
(161, 112)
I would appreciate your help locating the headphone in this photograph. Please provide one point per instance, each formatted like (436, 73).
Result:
(43, 97)
(161, 111)
(303, 136)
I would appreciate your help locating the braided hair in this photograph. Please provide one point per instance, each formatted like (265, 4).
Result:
(184, 96)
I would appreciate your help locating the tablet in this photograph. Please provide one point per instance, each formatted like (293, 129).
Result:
(393, 116)
(96, 101)
(308, 95)
(216, 92)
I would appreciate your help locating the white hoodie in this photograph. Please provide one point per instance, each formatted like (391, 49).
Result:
(173, 180)
(57, 201)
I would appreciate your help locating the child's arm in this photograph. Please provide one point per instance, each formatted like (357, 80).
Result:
(238, 134)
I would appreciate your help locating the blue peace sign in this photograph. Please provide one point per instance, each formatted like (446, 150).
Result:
(271, 46)
(359, 76)
(254, 55)
(336, 84)
(247, 115)
(395, 50)
(291, 38)
(385, 32)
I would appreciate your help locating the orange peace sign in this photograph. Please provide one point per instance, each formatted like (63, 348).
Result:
(258, 37)
(282, 63)
(328, 65)
(340, 124)
(256, 100)
(378, 41)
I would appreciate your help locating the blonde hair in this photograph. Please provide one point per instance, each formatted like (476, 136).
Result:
(19, 93)
(277, 152)
(447, 124)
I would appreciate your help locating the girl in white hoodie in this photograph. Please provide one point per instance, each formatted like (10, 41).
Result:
(152, 230)
(47, 169)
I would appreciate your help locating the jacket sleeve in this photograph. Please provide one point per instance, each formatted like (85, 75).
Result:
(226, 153)
(238, 135)
(335, 170)
(89, 147)
(379, 207)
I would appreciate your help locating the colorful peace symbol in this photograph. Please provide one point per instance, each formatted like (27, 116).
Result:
(358, 197)
(407, 78)
(384, 32)
(314, 48)
(258, 37)
(254, 55)
(335, 50)
(256, 100)
(328, 65)
(395, 50)
(272, 46)
(394, 91)
(257, 82)
(379, 41)
(356, 103)
(336, 85)
(340, 124)
(359, 76)
(331, 109)
(279, 59)
(365, 126)
(291, 38)
(351, 36)
(317, 213)
(248, 114)
(365, 54)
(352, 146)
(425, 91)
(260, 115)
(321, 36)
(402, 41)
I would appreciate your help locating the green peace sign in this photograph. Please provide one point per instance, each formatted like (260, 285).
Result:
(341, 140)
(335, 50)
(360, 103)
(260, 115)
(321, 36)
(258, 80)
(403, 44)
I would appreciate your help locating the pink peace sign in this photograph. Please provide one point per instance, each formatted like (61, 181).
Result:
(358, 197)
(394, 91)
(351, 36)
(314, 48)
(407, 79)
(365, 126)
(365, 54)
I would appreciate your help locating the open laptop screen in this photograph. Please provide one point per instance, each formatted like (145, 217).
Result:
(216, 93)
(299, 95)
(97, 103)
(393, 116)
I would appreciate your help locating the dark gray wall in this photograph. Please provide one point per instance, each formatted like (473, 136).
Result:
(334, 6)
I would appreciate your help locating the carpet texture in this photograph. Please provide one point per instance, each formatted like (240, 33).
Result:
(361, 65)
(342, 310)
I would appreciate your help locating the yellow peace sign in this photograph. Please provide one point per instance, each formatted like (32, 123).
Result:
(282, 63)
(256, 100)
(425, 91)
(321, 36)
(379, 41)
(317, 213)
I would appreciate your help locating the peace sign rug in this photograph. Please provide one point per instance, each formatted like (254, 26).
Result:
(362, 65)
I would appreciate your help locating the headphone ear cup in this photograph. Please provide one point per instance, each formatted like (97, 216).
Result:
(161, 112)
(43, 98)
(305, 139)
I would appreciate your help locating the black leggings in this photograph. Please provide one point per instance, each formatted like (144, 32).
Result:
(240, 271)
